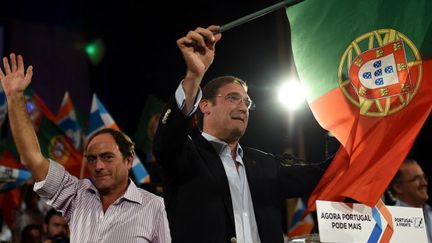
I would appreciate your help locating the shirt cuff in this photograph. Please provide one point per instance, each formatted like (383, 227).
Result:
(48, 187)
(180, 98)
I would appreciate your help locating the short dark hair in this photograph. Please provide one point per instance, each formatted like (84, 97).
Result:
(211, 89)
(50, 214)
(126, 146)
(398, 176)
(25, 233)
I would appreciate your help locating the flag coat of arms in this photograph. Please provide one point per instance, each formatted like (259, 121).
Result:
(57, 146)
(368, 70)
(37, 109)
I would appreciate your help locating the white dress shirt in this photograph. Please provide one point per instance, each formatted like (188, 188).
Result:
(244, 216)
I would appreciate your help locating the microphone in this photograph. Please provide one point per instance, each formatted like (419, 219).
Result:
(288, 160)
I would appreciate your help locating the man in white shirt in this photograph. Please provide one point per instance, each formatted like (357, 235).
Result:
(110, 208)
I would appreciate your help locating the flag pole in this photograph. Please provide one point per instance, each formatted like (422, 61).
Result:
(260, 13)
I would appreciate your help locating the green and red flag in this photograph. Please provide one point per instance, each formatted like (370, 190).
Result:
(147, 126)
(57, 146)
(53, 141)
(368, 70)
(37, 109)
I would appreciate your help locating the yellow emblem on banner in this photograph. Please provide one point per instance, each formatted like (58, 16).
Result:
(380, 72)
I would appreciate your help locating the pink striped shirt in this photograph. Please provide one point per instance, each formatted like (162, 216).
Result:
(137, 216)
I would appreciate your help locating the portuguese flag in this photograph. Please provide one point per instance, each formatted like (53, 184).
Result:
(57, 146)
(368, 69)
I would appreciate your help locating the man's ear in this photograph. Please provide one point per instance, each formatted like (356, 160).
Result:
(397, 188)
(204, 106)
(129, 161)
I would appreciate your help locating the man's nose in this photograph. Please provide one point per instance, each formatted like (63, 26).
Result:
(99, 164)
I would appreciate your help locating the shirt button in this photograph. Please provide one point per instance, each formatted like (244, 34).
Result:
(233, 240)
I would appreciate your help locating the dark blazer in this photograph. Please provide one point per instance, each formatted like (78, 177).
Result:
(197, 195)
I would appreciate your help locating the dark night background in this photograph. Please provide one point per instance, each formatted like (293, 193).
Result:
(141, 58)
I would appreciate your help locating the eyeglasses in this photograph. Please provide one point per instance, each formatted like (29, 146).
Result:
(236, 98)
(416, 178)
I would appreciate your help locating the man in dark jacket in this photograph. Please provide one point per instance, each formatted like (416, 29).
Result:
(215, 189)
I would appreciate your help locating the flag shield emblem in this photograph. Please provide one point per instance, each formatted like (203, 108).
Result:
(378, 68)
(58, 149)
(380, 72)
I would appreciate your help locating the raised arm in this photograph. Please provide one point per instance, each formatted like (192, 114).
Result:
(15, 79)
(198, 49)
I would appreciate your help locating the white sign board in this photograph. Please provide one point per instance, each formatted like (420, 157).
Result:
(353, 222)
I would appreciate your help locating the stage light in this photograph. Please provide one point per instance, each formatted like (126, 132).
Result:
(291, 94)
(95, 51)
